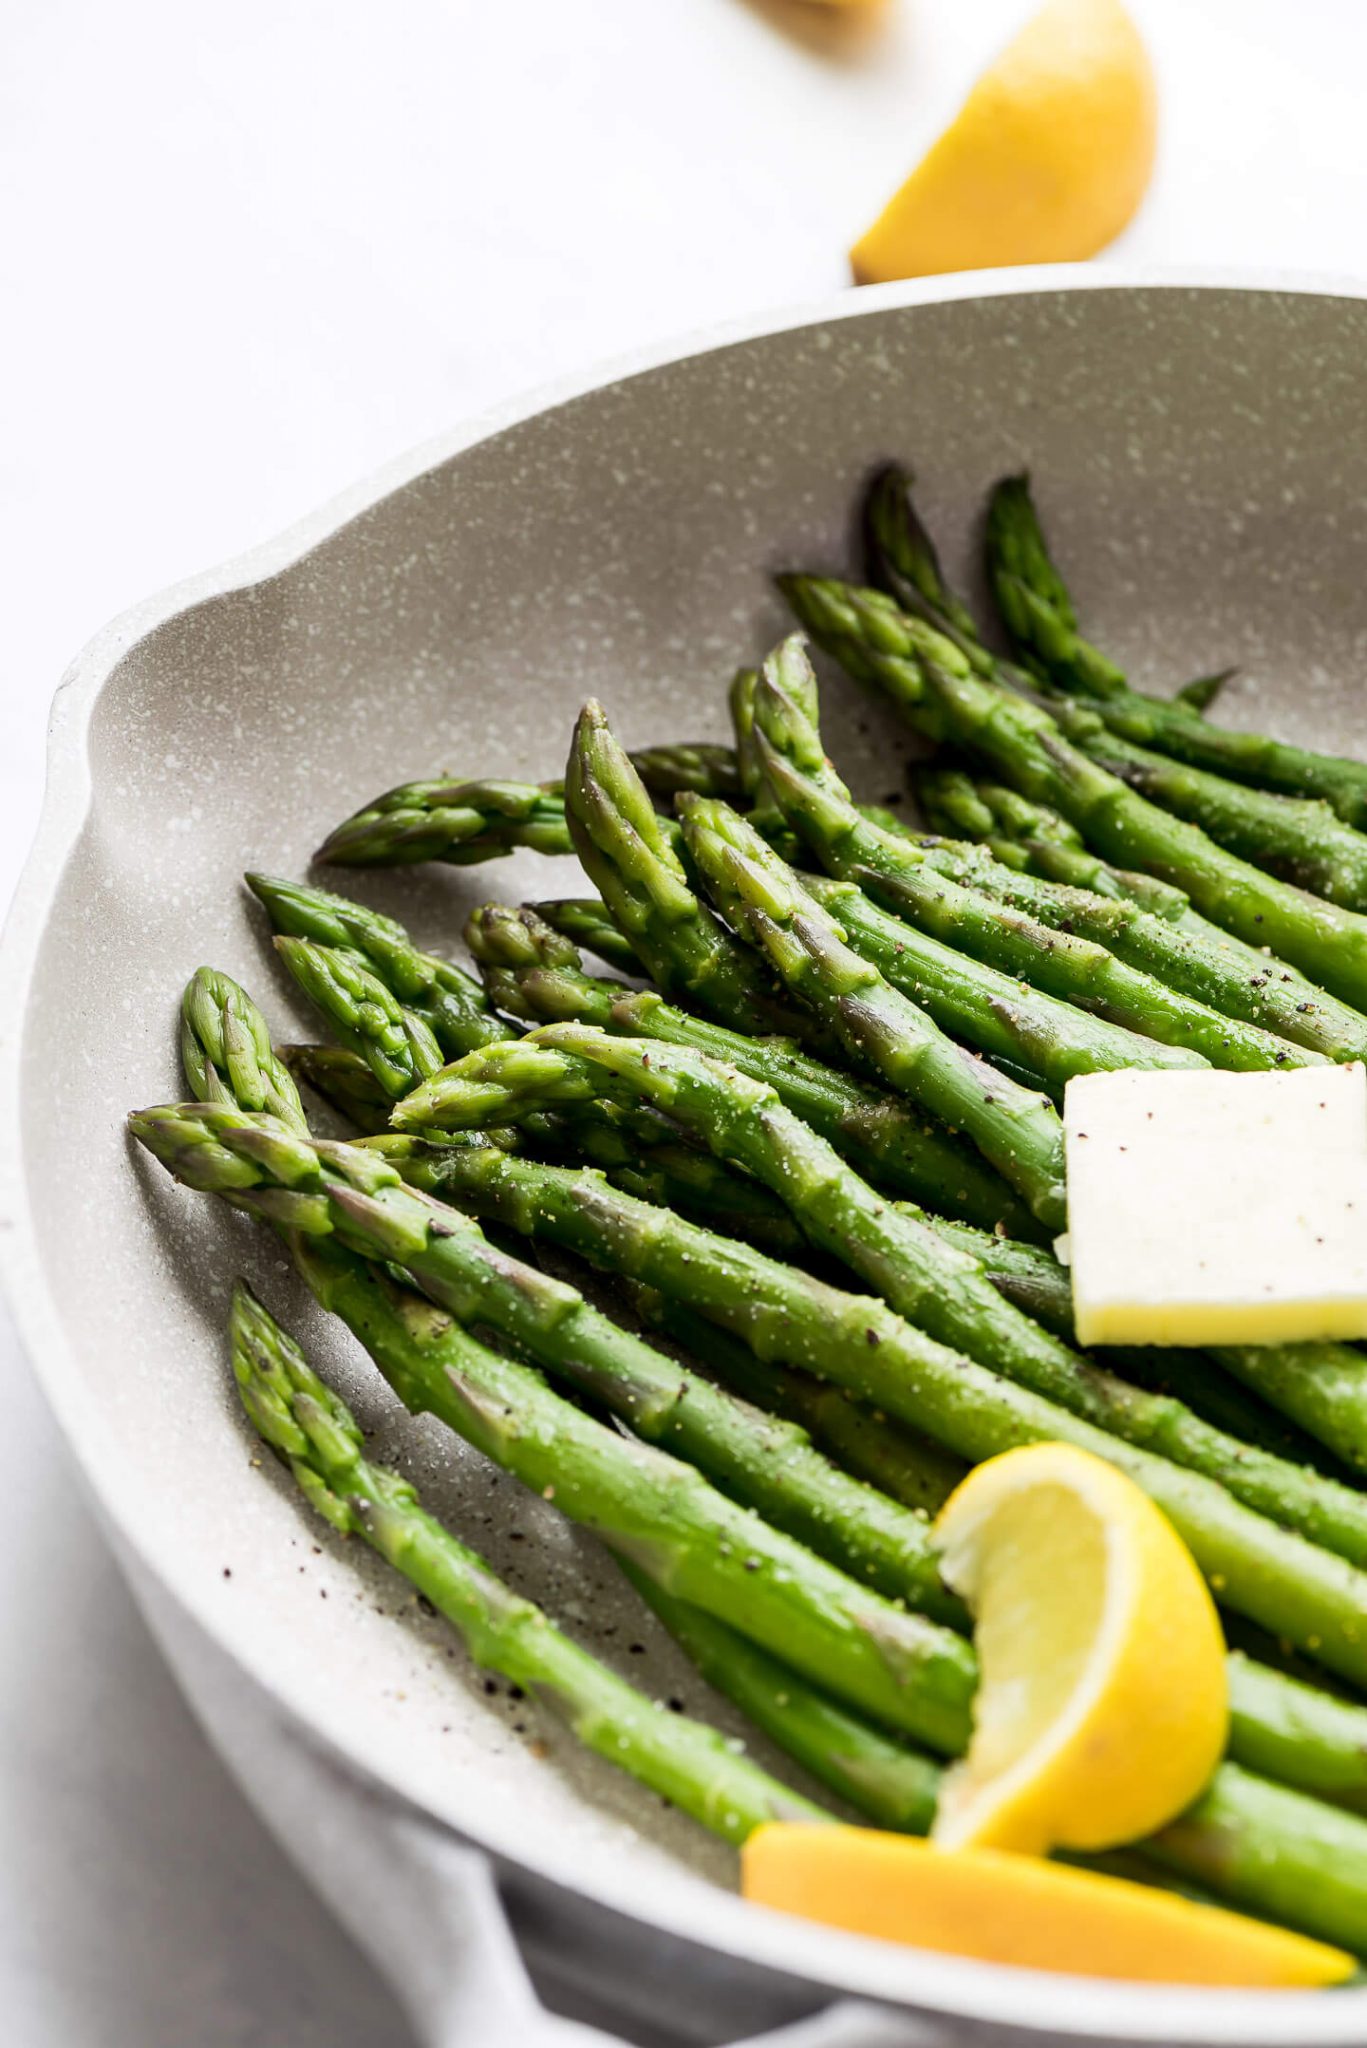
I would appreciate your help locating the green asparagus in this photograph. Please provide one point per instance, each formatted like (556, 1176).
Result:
(1302, 840)
(795, 1321)
(901, 1463)
(1252, 1843)
(1244, 980)
(1016, 1129)
(341, 1077)
(886, 1781)
(689, 1763)
(661, 1512)
(1285, 1724)
(585, 922)
(1027, 587)
(451, 1001)
(536, 975)
(633, 864)
(227, 1053)
(702, 765)
(1070, 964)
(396, 1042)
(457, 822)
(949, 1295)
(1033, 837)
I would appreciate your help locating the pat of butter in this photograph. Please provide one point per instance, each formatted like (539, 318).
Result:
(1215, 1208)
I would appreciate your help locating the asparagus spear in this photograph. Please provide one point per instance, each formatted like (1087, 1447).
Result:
(1015, 1128)
(396, 1041)
(1253, 1843)
(1312, 1740)
(642, 1155)
(632, 862)
(885, 1780)
(901, 559)
(340, 1076)
(1245, 981)
(585, 922)
(943, 1290)
(457, 822)
(900, 1462)
(1025, 744)
(1322, 1387)
(764, 813)
(317, 1438)
(1327, 1382)
(1027, 586)
(226, 1050)
(1070, 963)
(1036, 839)
(451, 1001)
(1303, 840)
(905, 1669)
(701, 765)
(1053, 1038)
(534, 975)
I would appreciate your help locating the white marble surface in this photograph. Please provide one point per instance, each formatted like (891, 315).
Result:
(248, 253)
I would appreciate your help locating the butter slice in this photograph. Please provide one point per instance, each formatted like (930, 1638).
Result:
(1215, 1208)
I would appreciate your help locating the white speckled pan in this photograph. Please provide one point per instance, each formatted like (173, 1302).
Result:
(1200, 453)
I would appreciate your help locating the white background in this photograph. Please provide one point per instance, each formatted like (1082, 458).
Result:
(247, 252)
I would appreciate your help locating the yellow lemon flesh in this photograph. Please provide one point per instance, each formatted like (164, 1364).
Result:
(1102, 1707)
(1046, 162)
(1011, 1909)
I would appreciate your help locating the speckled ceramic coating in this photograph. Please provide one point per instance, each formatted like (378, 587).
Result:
(1200, 457)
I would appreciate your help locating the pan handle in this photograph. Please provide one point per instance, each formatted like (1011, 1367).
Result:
(429, 1914)
(421, 1903)
(465, 1984)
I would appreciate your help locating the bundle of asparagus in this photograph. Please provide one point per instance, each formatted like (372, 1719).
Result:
(818, 1157)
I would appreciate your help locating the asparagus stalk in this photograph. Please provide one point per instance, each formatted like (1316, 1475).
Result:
(690, 1764)
(1243, 981)
(1027, 587)
(632, 861)
(951, 1297)
(536, 976)
(1253, 1843)
(701, 765)
(1025, 744)
(457, 822)
(340, 1076)
(885, 1780)
(1031, 837)
(226, 1050)
(1054, 1039)
(915, 881)
(1300, 839)
(1015, 1128)
(1318, 1747)
(451, 1001)
(585, 922)
(900, 1462)
(906, 1670)
(641, 1155)
(394, 1040)
(1327, 1382)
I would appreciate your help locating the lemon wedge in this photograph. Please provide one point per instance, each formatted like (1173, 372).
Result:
(1046, 161)
(1011, 1909)
(1102, 1707)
